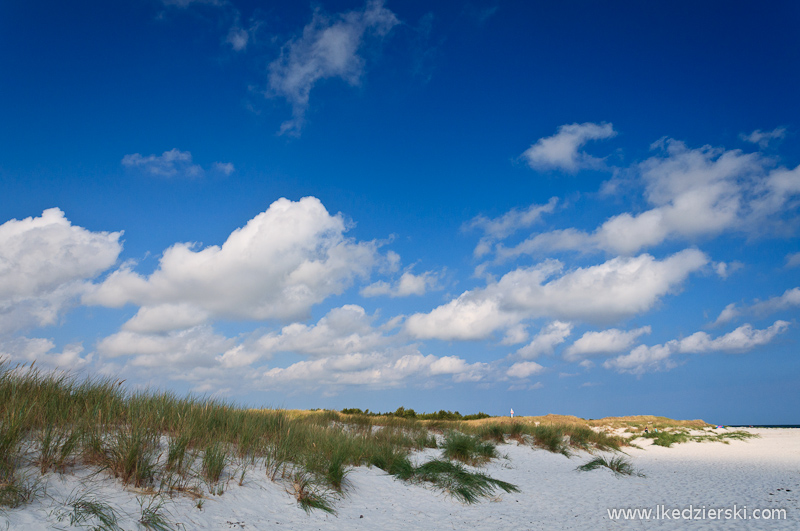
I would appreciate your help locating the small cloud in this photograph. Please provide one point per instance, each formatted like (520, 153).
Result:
(328, 48)
(408, 284)
(793, 260)
(237, 38)
(502, 227)
(515, 335)
(562, 150)
(546, 340)
(789, 299)
(170, 164)
(608, 341)
(726, 315)
(763, 138)
(724, 269)
(523, 369)
(225, 168)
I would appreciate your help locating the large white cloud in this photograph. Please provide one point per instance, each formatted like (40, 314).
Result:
(178, 350)
(45, 263)
(375, 370)
(618, 288)
(41, 351)
(562, 150)
(658, 357)
(608, 341)
(694, 193)
(345, 330)
(329, 48)
(283, 261)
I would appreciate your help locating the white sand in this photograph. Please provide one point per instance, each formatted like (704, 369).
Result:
(757, 473)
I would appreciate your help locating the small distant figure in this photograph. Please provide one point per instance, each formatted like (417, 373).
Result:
(655, 430)
(645, 430)
(512, 412)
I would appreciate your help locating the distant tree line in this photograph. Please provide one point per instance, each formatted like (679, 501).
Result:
(411, 414)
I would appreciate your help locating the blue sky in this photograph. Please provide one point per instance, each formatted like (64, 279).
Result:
(561, 207)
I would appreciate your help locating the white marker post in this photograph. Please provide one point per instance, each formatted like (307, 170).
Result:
(512, 412)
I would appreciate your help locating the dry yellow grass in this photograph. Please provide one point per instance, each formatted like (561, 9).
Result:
(631, 421)
(635, 421)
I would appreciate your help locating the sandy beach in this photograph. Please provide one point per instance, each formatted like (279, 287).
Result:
(722, 483)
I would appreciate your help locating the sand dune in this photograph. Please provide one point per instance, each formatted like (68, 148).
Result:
(762, 473)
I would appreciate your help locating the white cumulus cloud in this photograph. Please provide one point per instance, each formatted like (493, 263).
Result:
(694, 193)
(658, 357)
(182, 349)
(375, 370)
(608, 341)
(618, 288)
(789, 299)
(546, 340)
(45, 264)
(281, 263)
(408, 284)
(524, 369)
(563, 150)
(40, 350)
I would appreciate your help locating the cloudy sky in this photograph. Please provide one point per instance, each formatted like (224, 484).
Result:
(562, 207)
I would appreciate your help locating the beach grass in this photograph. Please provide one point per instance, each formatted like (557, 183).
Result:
(469, 449)
(667, 438)
(617, 464)
(161, 443)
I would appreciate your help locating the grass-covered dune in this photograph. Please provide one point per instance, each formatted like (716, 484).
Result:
(161, 444)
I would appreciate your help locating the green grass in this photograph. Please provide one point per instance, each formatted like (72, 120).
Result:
(173, 444)
(459, 482)
(154, 515)
(668, 438)
(308, 497)
(467, 448)
(617, 464)
(214, 460)
(88, 512)
(131, 454)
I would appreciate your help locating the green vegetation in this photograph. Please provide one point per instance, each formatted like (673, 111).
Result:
(667, 438)
(556, 438)
(452, 478)
(153, 515)
(86, 511)
(618, 464)
(404, 413)
(459, 482)
(467, 448)
(169, 445)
